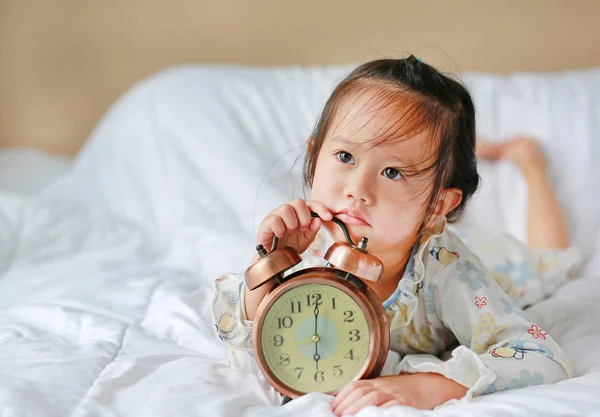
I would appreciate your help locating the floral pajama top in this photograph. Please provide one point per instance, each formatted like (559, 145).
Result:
(455, 312)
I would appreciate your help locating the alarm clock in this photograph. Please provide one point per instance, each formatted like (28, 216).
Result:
(319, 328)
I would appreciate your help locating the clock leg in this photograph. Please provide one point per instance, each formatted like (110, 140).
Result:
(285, 400)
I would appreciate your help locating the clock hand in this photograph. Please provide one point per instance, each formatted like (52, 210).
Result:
(307, 340)
(316, 317)
(316, 356)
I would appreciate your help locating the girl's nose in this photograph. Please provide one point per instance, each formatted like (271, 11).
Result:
(360, 189)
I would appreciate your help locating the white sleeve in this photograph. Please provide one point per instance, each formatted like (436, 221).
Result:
(527, 274)
(500, 348)
(231, 324)
(556, 266)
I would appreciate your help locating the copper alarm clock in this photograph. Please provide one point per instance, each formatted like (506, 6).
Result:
(319, 328)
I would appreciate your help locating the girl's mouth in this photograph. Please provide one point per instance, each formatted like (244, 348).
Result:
(352, 217)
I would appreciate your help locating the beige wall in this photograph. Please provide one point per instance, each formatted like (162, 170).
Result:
(62, 62)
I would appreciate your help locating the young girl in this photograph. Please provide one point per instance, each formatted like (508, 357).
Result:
(393, 157)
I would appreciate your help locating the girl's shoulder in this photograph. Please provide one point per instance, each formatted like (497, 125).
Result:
(440, 249)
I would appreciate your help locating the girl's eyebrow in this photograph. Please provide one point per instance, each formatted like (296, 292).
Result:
(344, 141)
(407, 161)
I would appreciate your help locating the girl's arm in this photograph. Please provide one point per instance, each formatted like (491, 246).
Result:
(501, 348)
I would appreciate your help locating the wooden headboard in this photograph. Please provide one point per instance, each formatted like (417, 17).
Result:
(63, 62)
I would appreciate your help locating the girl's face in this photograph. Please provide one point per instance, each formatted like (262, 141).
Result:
(366, 186)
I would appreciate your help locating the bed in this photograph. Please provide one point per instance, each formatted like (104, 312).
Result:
(107, 259)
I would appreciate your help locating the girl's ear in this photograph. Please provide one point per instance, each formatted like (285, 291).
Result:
(449, 199)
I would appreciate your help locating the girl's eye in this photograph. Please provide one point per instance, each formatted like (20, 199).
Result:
(392, 173)
(345, 157)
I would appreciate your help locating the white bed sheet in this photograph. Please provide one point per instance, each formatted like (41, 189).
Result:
(106, 275)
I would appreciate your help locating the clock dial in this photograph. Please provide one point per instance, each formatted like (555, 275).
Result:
(315, 338)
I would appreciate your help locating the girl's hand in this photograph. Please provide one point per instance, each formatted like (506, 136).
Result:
(295, 227)
(293, 224)
(424, 391)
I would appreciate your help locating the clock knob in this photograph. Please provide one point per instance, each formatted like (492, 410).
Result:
(355, 260)
(270, 265)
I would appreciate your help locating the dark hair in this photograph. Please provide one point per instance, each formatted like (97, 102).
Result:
(427, 101)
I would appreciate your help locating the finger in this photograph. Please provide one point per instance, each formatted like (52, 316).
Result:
(315, 225)
(351, 398)
(288, 214)
(272, 224)
(345, 391)
(391, 403)
(303, 213)
(371, 398)
(319, 208)
(341, 396)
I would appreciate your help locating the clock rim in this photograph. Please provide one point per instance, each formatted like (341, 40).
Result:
(365, 298)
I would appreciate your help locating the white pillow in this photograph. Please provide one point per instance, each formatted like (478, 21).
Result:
(200, 148)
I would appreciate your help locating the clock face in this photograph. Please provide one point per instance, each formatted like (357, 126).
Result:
(315, 338)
